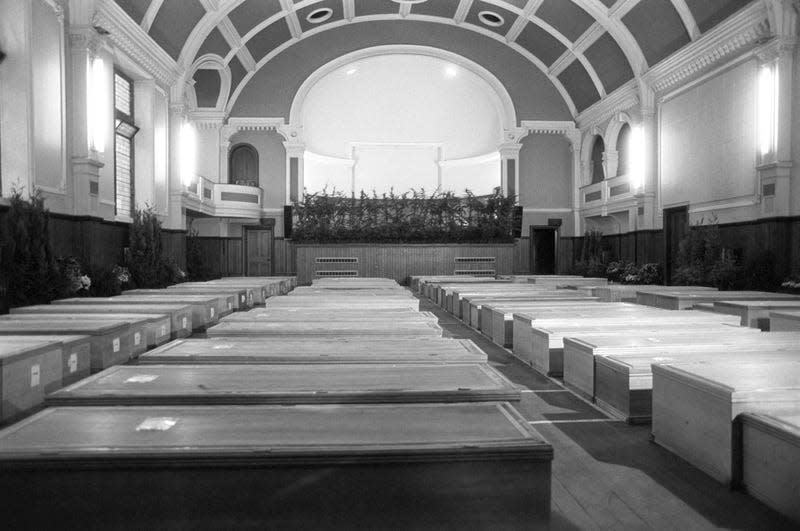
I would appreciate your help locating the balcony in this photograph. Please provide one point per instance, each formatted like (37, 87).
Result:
(223, 200)
(610, 195)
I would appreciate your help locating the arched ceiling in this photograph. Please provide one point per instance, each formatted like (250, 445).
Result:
(587, 48)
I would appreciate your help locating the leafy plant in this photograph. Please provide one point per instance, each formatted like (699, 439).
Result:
(411, 217)
(28, 267)
(145, 259)
(702, 260)
(651, 273)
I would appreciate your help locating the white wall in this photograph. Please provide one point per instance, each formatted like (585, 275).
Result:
(708, 139)
(16, 157)
(46, 70)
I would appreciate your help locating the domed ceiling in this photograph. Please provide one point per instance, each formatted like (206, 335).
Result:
(587, 48)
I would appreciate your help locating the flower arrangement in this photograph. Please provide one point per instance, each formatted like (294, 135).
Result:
(122, 274)
(75, 280)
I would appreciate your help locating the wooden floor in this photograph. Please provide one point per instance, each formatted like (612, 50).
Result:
(606, 473)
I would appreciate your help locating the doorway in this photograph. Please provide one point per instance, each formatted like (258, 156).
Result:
(544, 249)
(258, 243)
(676, 223)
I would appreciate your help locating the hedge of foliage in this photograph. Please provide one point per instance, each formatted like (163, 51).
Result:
(28, 268)
(149, 267)
(412, 217)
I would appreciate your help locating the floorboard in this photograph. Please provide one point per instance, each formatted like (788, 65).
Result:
(606, 473)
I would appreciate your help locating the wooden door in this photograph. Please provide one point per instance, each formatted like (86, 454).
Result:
(543, 249)
(258, 252)
(676, 223)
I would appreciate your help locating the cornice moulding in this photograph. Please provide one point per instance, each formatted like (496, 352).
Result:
(256, 124)
(621, 99)
(130, 38)
(736, 34)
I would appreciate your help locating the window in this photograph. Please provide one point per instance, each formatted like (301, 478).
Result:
(124, 131)
(243, 165)
(623, 150)
(598, 174)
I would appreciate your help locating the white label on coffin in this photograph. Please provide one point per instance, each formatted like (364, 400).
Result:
(156, 424)
(163, 330)
(115, 345)
(137, 338)
(34, 375)
(141, 378)
(242, 299)
(73, 362)
(212, 313)
(230, 305)
(184, 323)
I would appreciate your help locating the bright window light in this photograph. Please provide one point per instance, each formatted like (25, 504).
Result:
(636, 158)
(188, 153)
(767, 109)
(451, 71)
(97, 102)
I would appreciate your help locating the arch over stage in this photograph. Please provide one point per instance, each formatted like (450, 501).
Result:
(534, 96)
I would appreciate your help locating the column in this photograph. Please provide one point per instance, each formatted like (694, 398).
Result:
(574, 138)
(509, 168)
(294, 170)
(175, 218)
(775, 166)
(646, 196)
(85, 161)
(225, 134)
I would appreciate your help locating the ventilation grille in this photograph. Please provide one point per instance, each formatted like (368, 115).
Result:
(475, 272)
(337, 260)
(344, 273)
(768, 190)
(475, 259)
(593, 196)
(620, 189)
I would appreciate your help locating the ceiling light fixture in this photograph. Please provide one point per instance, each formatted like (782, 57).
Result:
(319, 15)
(490, 18)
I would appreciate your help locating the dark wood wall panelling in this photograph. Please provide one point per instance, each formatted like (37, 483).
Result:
(285, 259)
(100, 243)
(223, 255)
(773, 239)
(399, 261)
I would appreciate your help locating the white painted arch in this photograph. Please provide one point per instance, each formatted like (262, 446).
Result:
(504, 103)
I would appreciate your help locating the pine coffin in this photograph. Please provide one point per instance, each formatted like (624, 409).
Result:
(345, 467)
(694, 406)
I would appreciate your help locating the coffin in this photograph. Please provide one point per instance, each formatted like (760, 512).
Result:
(287, 384)
(677, 300)
(226, 300)
(180, 315)
(149, 330)
(694, 406)
(407, 466)
(340, 303)
(111, 341)
(323, 329)
(627, 292)
(245, 294)
(499, 317)
(784, 321)
(271, 315)
(75, 354)
(279, 350)
(204, 309)
(580, 351)
(29, 371)
(769, 459)
(541, 341)
(756, 314)
(624, 384)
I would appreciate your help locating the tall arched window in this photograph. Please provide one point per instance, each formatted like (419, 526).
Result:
(623, 149)
(243, 165)
(598, 148)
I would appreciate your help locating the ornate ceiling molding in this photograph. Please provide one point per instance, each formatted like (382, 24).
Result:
(740, 32)
(621, 99)
(131, 39)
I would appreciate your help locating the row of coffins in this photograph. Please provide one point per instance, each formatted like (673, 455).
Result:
(45, 347)
(294, 419)
(721, 393)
